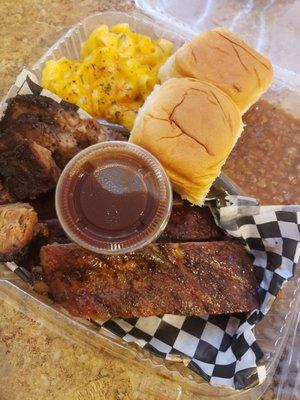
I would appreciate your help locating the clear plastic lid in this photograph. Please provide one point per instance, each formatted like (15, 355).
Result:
(272, 27)
(273, 330)
(113, 197)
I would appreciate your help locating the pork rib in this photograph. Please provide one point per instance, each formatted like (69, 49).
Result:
(190, 224)
(183, 279)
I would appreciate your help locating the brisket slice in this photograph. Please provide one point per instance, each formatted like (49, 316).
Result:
(28, 169)
(184, 279)
(18, 228)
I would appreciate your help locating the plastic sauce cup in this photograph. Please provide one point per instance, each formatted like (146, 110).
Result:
(113, 198)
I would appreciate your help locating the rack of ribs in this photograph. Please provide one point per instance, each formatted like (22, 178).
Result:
(183, 279)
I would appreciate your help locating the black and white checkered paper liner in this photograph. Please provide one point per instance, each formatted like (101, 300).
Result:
(222, 349)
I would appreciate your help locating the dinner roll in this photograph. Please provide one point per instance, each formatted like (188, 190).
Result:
(223, 59)
(191, 127)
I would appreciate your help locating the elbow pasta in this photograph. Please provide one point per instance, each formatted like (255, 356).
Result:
(117, 70)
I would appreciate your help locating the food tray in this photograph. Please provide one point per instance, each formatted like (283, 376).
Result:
(272, 332)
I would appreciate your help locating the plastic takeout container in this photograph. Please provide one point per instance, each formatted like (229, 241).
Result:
(147, 177)
(272, 333)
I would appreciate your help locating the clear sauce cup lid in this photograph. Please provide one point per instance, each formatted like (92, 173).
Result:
(113, 198)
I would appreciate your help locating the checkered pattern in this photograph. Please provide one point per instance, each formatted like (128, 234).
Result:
(207, 345)
(222, 349)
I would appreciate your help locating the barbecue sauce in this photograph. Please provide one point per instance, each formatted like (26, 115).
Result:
(111, 198)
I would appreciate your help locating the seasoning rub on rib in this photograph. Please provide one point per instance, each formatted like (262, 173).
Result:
(183, 279)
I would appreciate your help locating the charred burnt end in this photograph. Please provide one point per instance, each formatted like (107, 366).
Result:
(35, 120)
(5, 195)
(28, 170)
(44, 205)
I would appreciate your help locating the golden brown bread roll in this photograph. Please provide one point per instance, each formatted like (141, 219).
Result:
(191, 127)
(224, 60)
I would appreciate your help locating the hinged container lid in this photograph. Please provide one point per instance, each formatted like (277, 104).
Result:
(271, 26)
